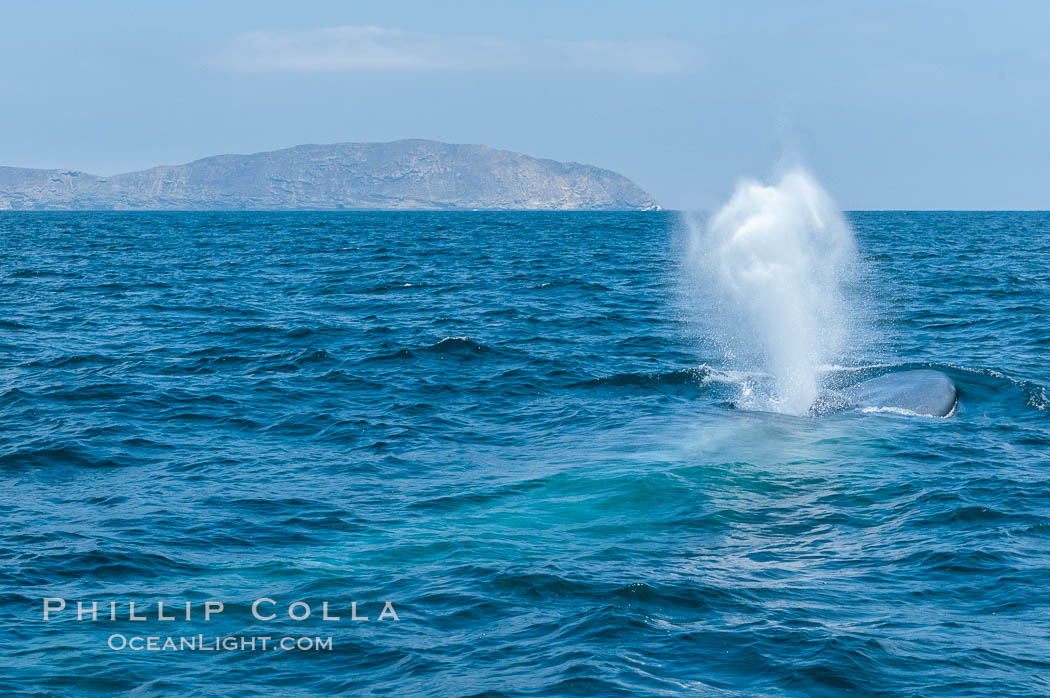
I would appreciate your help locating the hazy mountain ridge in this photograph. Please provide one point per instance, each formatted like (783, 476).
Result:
(404, 175)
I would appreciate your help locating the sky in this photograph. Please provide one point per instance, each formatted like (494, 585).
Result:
(891, 105)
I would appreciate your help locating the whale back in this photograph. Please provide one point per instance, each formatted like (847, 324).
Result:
(923, 392)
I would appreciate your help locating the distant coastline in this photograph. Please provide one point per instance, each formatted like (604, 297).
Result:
(402, 175)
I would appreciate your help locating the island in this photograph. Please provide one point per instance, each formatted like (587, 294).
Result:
(402, 175)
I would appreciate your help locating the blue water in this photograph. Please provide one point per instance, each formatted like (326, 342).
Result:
(506, 425)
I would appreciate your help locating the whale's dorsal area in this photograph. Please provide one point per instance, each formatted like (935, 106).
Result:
(923, 392)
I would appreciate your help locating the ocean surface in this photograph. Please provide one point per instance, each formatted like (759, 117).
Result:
(512, 427)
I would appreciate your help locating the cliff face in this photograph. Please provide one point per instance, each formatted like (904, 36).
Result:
(405, 175)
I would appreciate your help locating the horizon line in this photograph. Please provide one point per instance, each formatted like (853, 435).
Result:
(490, 210)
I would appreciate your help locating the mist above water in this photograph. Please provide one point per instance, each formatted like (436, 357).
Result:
(772, 266)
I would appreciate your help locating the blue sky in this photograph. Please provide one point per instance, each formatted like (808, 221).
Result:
(890, 104)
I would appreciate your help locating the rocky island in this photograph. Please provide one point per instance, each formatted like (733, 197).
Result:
(402, 175)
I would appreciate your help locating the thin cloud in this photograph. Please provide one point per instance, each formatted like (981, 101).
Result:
(360, 49)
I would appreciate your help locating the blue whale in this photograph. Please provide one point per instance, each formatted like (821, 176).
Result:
(921, 392)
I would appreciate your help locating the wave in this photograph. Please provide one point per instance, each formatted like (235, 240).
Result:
(66, 454)
(70, 360)
(458, 345)
(399, 355)
(391, 286)
(573, 284)
(206, 310)
(697, 378)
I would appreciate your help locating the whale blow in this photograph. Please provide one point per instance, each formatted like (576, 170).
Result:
(771, 269)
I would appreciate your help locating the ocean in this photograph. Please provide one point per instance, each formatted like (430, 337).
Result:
(517, 433)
